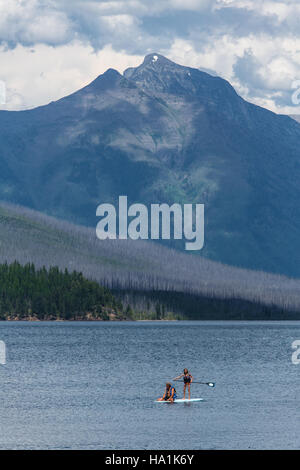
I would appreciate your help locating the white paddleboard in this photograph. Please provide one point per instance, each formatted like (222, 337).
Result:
(181, 400)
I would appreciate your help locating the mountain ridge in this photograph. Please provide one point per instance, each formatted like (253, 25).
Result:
(161, 135)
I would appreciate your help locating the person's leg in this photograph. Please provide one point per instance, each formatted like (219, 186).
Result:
(184, 387)
(189, 387)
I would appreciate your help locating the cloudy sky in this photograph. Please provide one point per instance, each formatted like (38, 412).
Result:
(50, 48)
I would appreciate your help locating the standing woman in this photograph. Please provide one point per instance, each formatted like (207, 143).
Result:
(187, 379)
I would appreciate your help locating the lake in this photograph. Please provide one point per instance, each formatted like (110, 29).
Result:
(92, 385)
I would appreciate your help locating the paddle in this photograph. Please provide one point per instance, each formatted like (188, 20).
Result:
(210, 384)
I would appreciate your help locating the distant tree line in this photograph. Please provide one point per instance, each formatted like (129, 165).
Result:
(53, 294)
(172, 305)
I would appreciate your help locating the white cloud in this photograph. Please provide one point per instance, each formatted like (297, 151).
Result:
(30, 22)
(119, 21)
(42, 74)
(255, 44)
(266, 80)
(285, 11)
(193, 5)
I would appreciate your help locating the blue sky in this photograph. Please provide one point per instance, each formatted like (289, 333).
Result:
(50, 48)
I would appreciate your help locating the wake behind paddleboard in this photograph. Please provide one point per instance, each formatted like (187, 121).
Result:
(181, 400)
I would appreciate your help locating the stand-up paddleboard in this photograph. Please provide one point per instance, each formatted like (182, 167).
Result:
(180, 400)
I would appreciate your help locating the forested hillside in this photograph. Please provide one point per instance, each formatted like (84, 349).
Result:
(28, 293)
(156, 282)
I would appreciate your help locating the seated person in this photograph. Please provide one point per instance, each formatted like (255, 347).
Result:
(170, 393)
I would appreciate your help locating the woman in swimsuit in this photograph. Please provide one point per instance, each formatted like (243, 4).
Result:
(187, 379)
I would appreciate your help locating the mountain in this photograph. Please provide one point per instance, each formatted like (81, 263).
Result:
(145, 274)
(163, 132)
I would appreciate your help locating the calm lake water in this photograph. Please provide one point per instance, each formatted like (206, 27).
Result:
(93, 385)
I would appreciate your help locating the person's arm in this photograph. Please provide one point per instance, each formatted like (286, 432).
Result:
(163, 397)
(179, 377)
(192, 378)
(172, 396)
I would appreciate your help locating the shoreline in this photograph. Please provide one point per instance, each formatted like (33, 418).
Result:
(97, 320)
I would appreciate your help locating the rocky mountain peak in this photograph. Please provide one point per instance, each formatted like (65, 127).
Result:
(157, 74)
